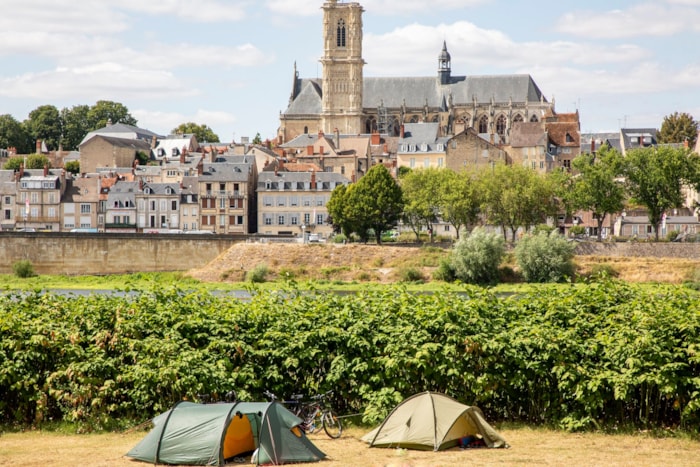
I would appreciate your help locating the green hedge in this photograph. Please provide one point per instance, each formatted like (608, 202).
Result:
(604, 353)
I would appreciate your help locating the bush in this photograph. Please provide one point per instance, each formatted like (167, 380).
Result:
(257, 274)
(340, 238)
(476, 257)
(603, 271)
(23, 268)
(545, 257)
(575, 230)
(445, 272)
(411, 275)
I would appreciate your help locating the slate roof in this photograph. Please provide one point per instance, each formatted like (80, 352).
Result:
(135, 144)
(123, 130)
(415, 92)
(297, 177)
(225, 172)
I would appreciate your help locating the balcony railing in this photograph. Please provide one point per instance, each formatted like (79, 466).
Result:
(120, 226)
(223, 194)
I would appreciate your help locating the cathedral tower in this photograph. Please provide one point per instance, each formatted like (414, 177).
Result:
(342, 67)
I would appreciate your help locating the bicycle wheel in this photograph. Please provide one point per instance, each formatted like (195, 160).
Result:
(331, 424)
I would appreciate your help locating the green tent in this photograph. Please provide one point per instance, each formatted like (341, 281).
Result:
(432, 421)
(211, 434)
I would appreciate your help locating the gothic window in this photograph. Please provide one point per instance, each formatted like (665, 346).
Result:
(518, 118)
(484, 124)
(306, 130)
(340, 35)
(371, 125)
(436, 118)
(533, 119)
(501, 125)
(414, 119)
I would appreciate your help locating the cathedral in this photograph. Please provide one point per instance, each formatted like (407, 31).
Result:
(344, 100)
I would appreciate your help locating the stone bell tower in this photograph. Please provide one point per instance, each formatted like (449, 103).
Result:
(341, 106)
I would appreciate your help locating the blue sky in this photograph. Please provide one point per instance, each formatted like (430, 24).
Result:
(228, 64)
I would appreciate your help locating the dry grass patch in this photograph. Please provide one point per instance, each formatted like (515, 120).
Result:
(636, 269)
(528, 447)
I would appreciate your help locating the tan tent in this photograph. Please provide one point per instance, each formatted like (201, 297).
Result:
(432, 421)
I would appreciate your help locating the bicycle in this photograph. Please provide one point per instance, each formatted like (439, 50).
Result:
(315, 413)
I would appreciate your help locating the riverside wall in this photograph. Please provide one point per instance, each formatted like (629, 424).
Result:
(640, 249)
(99, 254)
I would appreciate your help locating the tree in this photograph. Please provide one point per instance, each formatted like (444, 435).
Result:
(597, 187)
(72, 167)
(460, 200)
(476, 257)
(514, 196)
(108, 111)
(44, 123)
(13, 135)
(655, 177)
(678, 128)
(202, 132)
(422, 199)
(76, 125)
(257, 139)
(374, 203)
(33, 161)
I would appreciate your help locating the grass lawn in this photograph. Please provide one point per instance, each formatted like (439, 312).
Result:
(528, 447)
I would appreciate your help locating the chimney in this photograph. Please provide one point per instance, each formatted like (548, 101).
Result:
(386, 148)
(309, 150)
(154, 142)
(21, 170)
(38, 146)
(403, 129)
(313, 180)
(140, 184)
(376, 139)
(337, 139)
(46, 170)
(320, 134)
(182, 155)
(321, 150)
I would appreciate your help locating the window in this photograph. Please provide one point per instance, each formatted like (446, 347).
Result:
(8, 200)
(267, 200)
(35, 197)
(117, 219)
(307, 218)
(447, 228)
(319, 202)
(412, 163)
(294, 201)
(440, 162)
(501, 125)
(8, 214)
(84, 209)
(294, 220)
(52, 212)
(222, 203)
(153, 205)
(222, 220)
(163, 205)
(239, 220)
(281, 201)
(280, 220)
(484, 124)
(533, 119)
(173, 205)
(319, 219)
(268, 219)
(340, 34)
(426, 162)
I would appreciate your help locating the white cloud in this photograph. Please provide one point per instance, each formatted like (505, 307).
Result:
(207, 11)
(163, 122)
(94, 82)
(374, 7)
(647, 19)
(478, 51)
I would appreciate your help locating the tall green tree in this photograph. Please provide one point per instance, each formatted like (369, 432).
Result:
(44, 123)
(13, 134)
(105, 111)
(76, 124)
(461, 200)
(597, 186)
(677, 128)
(422, 198)
(514, 196)
(374, 203)
(655, 178)
(202, 132)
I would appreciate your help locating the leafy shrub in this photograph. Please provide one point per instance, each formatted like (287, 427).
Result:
(287, 273)
(577, 230)
(603, 271)
(257, 274)
(476, 257)
(23, 268)
(411, 275)
(339, 238)
(545, 257)
(444, 272)
(672, 235)
(539, 228)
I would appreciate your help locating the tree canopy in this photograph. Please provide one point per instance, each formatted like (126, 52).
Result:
(44, 123)
(597, 187)
(202, 132)
(33, 161)
(14, 135)
(655, 178)
(107, 111)
(678, 128)
(373, 204)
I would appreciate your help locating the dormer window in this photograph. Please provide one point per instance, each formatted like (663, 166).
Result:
(147, 191)
(424, 147)
(440, 147)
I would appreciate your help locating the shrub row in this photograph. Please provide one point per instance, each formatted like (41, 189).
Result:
(604, 353)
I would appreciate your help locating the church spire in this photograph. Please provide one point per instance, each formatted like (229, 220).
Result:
(295, 82)
(444, 65)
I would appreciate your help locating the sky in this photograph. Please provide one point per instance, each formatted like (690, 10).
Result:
(229, 64)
